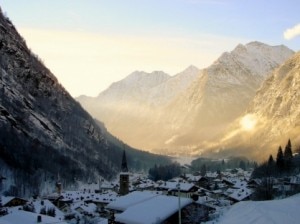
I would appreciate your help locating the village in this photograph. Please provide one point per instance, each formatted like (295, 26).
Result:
(134, 198)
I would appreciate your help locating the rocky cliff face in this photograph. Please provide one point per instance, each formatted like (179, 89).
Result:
(43, 130)
(272, 117)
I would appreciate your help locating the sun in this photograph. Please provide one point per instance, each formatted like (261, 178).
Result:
(248, 122)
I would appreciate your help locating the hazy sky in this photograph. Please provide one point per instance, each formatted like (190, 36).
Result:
(88, 44)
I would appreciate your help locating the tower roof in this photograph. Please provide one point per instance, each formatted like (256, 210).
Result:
(124, 167)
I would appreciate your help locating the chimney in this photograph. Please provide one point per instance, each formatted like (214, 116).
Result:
(39, 219)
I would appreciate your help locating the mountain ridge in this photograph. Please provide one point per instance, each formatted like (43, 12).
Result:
(273, 115)
(201, 110)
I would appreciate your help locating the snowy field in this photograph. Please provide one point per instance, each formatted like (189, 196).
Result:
(264, 212)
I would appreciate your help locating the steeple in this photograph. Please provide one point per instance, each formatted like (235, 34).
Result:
(124, 176)
(124, 167)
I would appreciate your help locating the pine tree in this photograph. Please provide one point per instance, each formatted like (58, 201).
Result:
(270, 160)
(288, 151)
(288, 156)
(280, 159)
(270, 167)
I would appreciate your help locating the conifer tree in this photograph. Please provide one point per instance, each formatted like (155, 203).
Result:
(288, 151)
(270, 160)
(280, 159)
(288, 156)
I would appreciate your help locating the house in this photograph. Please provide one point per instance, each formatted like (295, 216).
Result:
(45, 205)
(101, 200)
(254, 183)
(20, 216)
(84, 208)
(147, 211)
(203, 182)
(124, 202)
(172, 188)
(237, 195)
(12, 201)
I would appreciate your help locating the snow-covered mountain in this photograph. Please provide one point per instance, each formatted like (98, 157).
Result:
(273, 116)
(131, 108)
(191, 107)
(223, 92)
(134, 87)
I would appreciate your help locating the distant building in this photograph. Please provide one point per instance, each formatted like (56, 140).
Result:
(12, 201)
(28, 218)
(150, 207)
(124, 176)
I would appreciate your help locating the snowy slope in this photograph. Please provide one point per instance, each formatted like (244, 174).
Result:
(135, 87)
(264, 212)
(165, 92)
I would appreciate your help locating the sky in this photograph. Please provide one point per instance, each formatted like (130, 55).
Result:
(89, 44)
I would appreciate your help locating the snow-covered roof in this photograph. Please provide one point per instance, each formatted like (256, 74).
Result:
(264, 212)
(193, 178)
(47, 204)
(145, 185)
(154, 210)
(103, 221)
(7, 199)
(212, 174)
(136, 197)
(28, 218)
(76, 196)
(174, 186)
(239, 194)
(89, 208)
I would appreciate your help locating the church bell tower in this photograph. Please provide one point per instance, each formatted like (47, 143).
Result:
(124, 176)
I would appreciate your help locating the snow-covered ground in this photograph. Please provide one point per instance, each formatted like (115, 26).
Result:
(263, 212)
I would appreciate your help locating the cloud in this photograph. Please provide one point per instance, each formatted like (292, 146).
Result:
(292, 32)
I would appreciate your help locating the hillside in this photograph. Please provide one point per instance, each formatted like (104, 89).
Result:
(272, 117)
(43, 130)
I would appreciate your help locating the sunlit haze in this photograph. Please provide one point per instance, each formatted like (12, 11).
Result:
(90, 44)
(248, 122)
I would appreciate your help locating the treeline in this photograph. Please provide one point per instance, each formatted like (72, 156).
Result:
(285, 164)
(165, 172)
(206, 164)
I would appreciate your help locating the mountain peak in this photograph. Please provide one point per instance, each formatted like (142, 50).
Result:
(256, 56)
(257, 44)
(143, 79)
